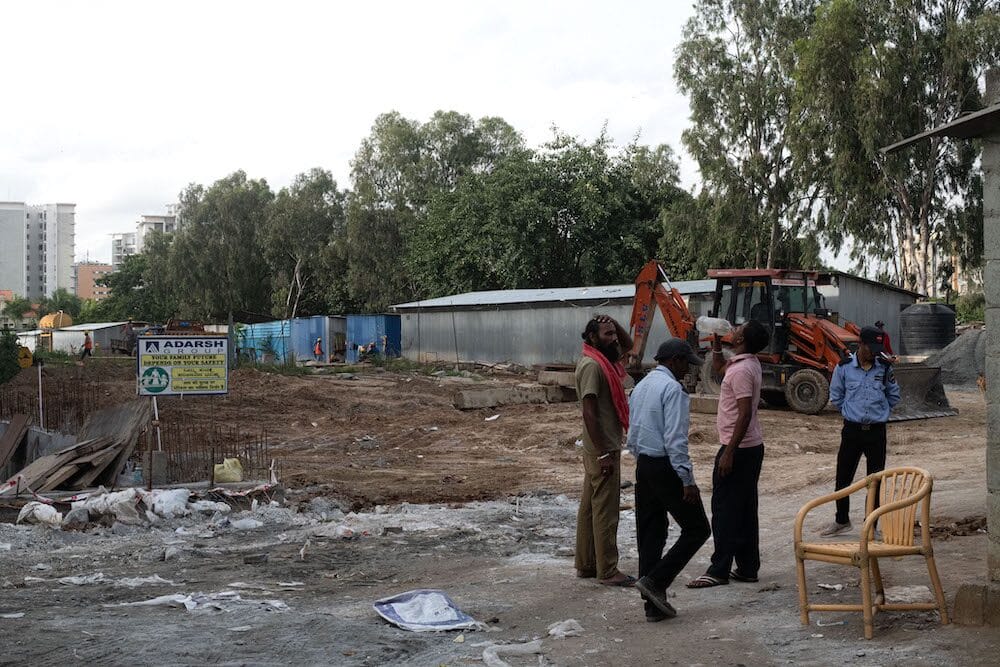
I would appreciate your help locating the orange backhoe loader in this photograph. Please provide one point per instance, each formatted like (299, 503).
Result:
(805, 346)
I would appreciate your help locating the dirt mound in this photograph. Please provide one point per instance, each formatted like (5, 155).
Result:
(963, 360)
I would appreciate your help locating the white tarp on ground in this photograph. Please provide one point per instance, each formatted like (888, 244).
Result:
(424, 610)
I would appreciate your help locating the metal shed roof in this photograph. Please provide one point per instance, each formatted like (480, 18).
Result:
(91, 326)
(563, 294)
(967, 126)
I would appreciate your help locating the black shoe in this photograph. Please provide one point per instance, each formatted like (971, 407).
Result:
(655, 616)
(655, 597)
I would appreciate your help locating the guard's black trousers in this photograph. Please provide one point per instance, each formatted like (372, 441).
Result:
(855, 440)
(734, 514)
(659, 492)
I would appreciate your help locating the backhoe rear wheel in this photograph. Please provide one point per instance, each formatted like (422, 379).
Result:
(807, 391)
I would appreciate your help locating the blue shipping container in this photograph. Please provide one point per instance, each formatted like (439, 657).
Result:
(292, 339)
(383, 330)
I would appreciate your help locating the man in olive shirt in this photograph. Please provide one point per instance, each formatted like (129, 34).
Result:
(599, 376)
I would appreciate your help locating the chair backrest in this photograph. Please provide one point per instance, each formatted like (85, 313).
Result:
(899, 484)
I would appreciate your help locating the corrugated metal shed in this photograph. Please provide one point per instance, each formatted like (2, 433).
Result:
(294, 339)
(383, 330)
(70, 339)
(543, 326)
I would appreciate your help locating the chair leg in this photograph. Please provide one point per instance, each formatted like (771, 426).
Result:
(800, 566)
(866, 599)
(879, 586)
(938, 591)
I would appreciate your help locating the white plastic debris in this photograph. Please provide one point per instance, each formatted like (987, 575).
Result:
(568, 628)
(18, 614)
(832, 587)
(136, 582)
(223, 601)
(241, 628)
(246, 524)
(84, 580)
(4, 546)
(492, 419)
(491, 654)
(120, 504)
(209, 506)
(424, 610)
(40, 513)
(168, 503)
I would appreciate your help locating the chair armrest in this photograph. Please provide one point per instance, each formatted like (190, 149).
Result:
(823, 500)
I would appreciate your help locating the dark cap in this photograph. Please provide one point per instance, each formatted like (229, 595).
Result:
(874, 339)
(674, 348)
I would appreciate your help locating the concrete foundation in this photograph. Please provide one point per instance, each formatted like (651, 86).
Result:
(474, 399)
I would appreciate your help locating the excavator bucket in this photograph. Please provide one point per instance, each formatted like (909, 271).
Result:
(921, 393)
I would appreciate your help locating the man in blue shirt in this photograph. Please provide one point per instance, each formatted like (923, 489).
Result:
(864, 390)
(659, 412)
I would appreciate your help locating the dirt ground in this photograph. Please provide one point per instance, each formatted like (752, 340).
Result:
(482, 509)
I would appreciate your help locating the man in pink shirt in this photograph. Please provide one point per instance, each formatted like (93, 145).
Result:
(738, 462)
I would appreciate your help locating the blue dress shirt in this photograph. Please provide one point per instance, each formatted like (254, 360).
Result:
(659, 415)
(865, 397)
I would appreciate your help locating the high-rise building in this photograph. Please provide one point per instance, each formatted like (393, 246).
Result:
(36, 248)
(122, 245)
(87, 275)
(165, 224)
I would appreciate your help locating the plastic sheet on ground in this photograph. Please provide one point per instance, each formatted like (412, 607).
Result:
(568, 628)
(36, 512)
(491, 654)
(223, 601)
(424, 610)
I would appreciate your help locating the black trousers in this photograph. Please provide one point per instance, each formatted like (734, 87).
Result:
(659, 494)
(734, 514)
(856, 440)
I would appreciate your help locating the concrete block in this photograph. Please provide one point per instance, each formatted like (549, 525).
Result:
(154, 463)
(993, 560)
(704, 404)
(993, 425)
(558, 394)
(992, 370)
(970, 605)
(559, 378)
(993, 465)
(991, 616)
(475, 399)
(991, 282)
(992, 330)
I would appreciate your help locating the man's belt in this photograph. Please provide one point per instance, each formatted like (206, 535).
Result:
(865, 427)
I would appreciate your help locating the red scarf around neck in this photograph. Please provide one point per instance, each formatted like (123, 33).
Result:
(614, 373)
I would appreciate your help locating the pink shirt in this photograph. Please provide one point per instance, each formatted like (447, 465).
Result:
(742, 380)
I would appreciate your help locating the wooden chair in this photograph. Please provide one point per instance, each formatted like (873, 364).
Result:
(899, 490)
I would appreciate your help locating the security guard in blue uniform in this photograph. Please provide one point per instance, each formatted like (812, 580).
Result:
(864, 390)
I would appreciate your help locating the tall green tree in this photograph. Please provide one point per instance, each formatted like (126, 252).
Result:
(736, 64)
(218, 255)
(874, 72)
(398, 169)
(16, 308)
(305, 218)
(61, 300)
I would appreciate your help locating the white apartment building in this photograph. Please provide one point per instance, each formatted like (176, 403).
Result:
(37, 245)
(124, 244)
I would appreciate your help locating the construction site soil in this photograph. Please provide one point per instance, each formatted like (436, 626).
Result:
(389, 488)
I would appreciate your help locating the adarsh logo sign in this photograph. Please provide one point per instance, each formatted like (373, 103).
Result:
(152, 346)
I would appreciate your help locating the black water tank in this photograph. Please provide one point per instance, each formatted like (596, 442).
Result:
(926, 328)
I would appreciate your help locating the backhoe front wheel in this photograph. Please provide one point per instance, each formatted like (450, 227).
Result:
(807, 391)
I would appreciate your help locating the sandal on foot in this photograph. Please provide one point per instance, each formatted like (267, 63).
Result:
(627, 582)
(736, 576)
(707, 581)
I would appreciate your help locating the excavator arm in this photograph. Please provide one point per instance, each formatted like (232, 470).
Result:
(651, 293)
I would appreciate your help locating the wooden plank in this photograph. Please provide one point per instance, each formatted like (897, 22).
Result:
(97, 466)
(123, 424)
(39, 470)
(12, 437)
(58, 477)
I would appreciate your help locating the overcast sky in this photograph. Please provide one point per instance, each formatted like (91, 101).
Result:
(117, 106)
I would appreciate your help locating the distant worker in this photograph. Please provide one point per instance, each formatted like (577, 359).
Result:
(318, 350)
(660, 414)
(880, 325)
(864, 390)
(599, 377)
(88, 346)
(735, 516)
